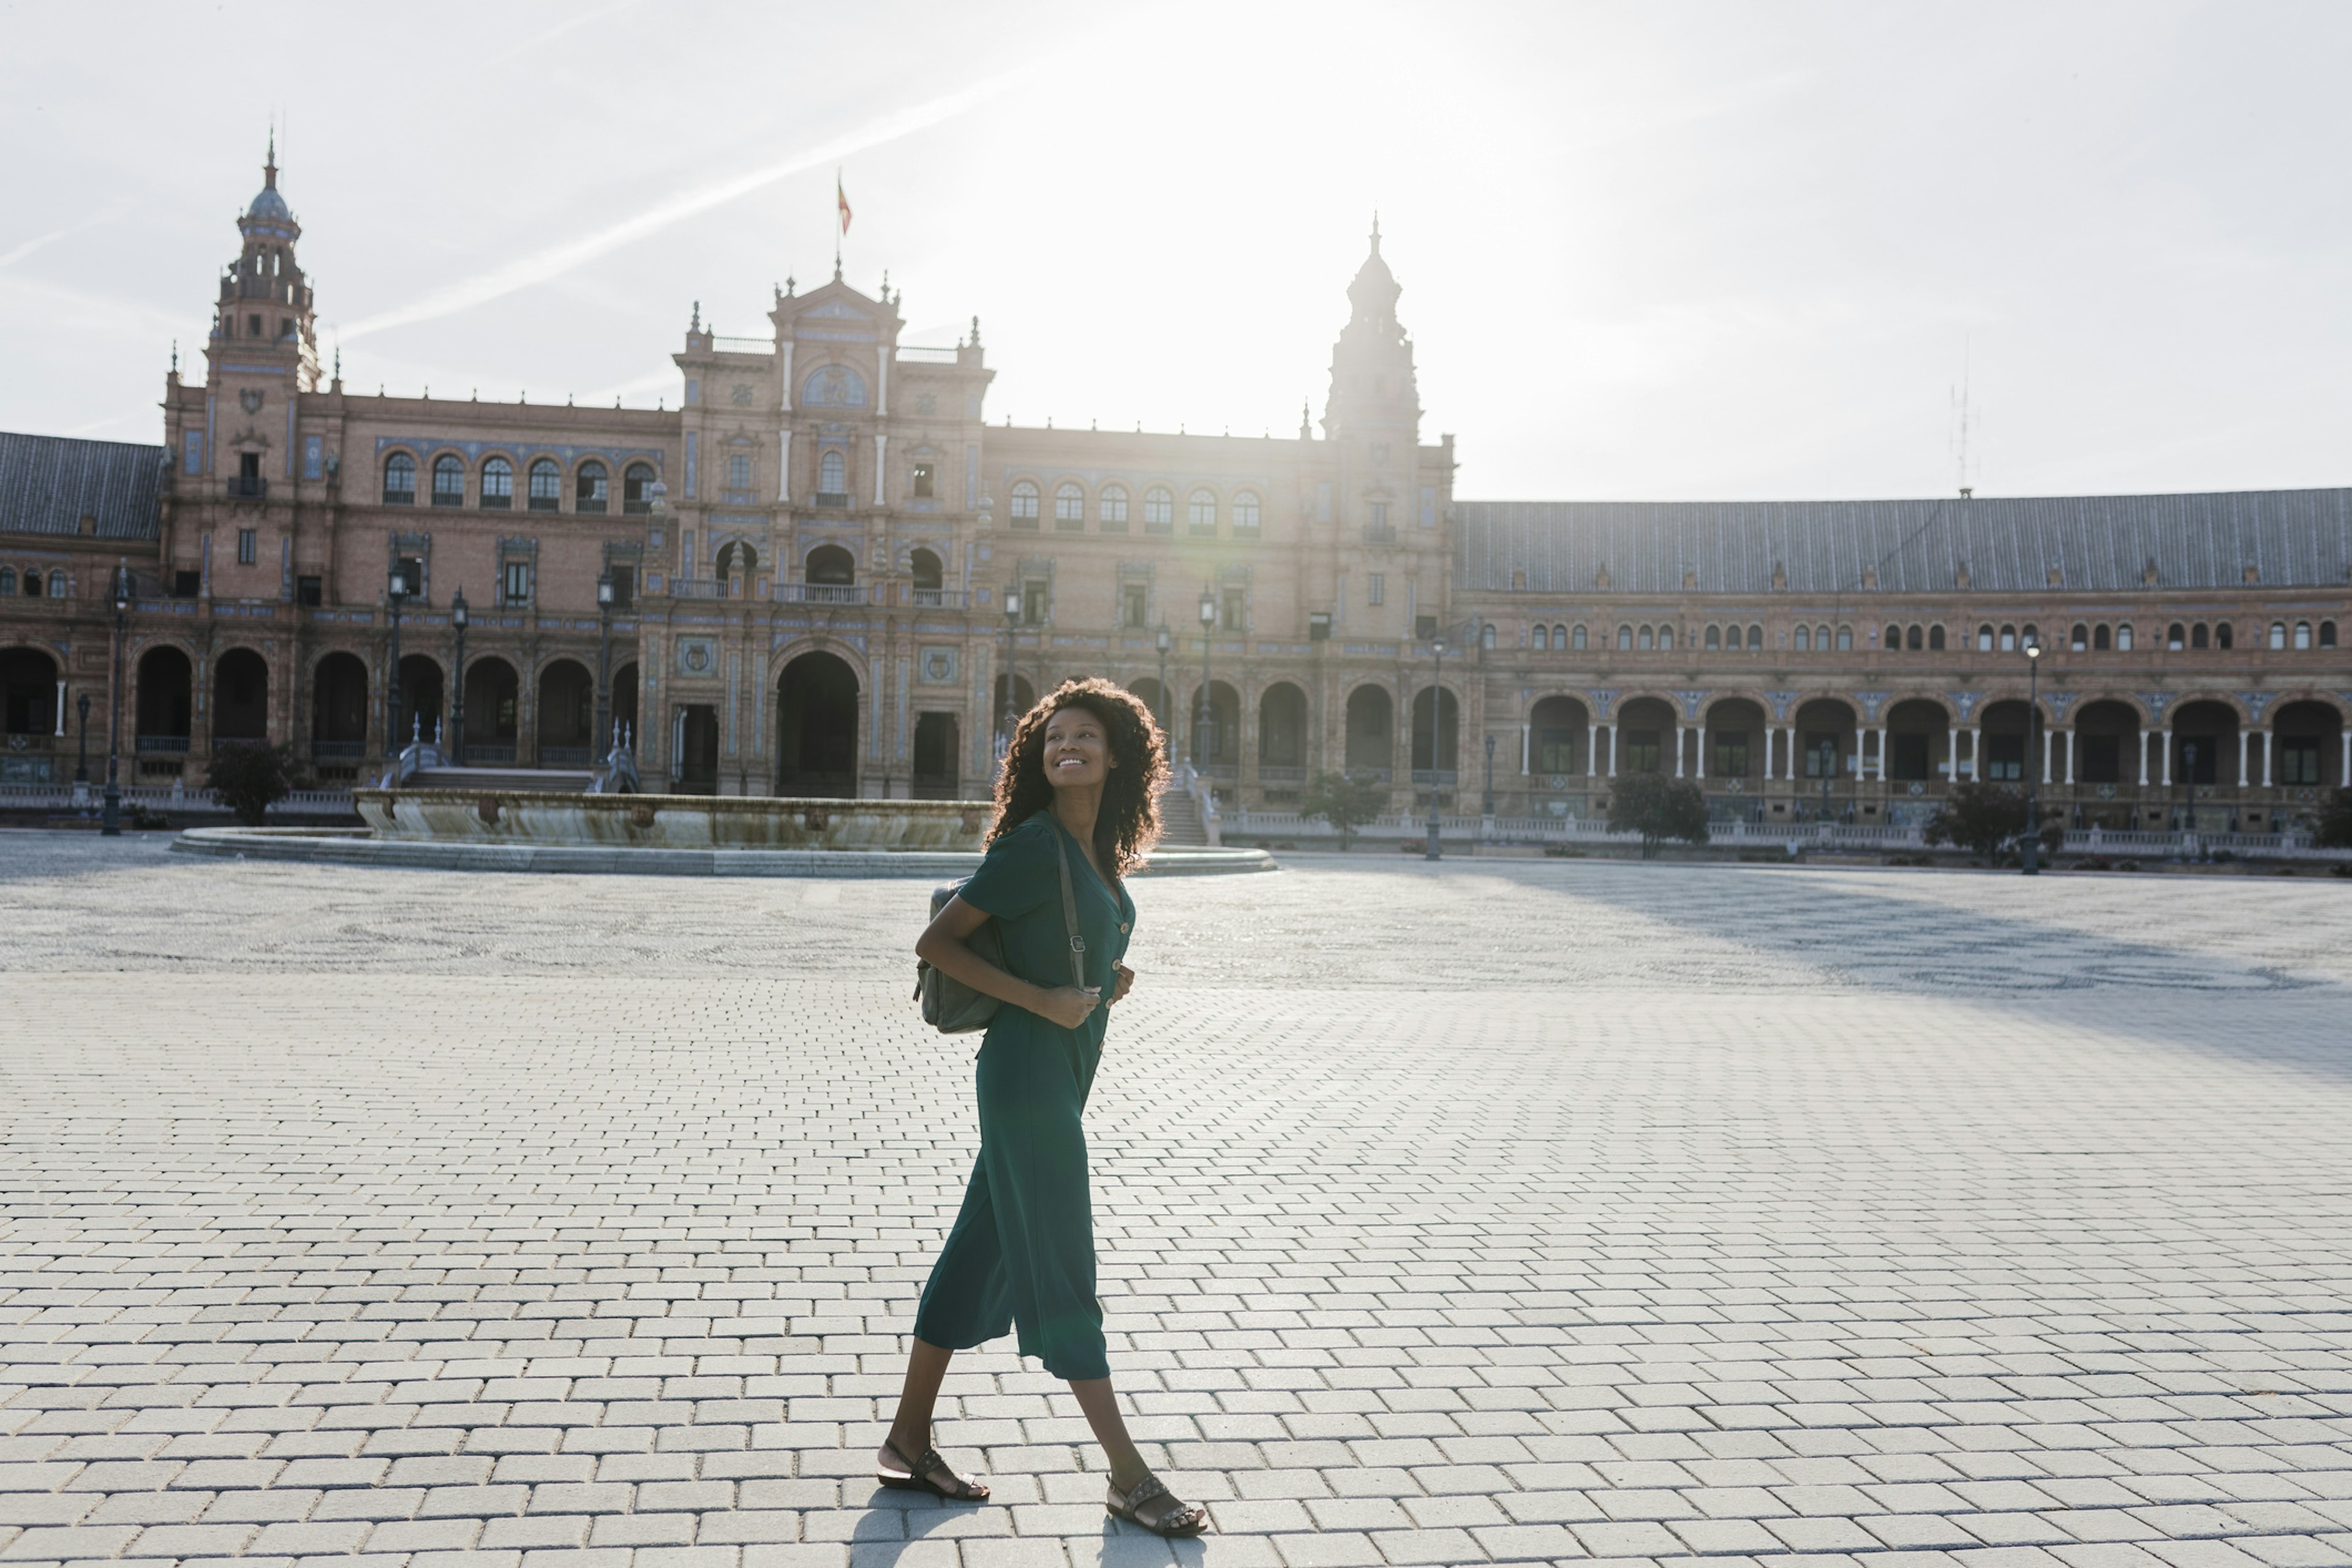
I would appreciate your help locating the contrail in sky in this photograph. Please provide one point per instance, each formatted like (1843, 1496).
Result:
(558, 259)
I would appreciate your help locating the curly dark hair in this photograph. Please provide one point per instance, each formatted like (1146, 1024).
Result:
(1130, 823)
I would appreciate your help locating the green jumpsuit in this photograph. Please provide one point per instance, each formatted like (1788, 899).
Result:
(1021, 1254)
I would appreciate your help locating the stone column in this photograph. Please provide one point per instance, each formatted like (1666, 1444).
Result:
(1881, 753)
(2068, 736)
(1698, 751)
(2164, 738)
(2344, 771)
(2267, 780)
(1976, 752)
(1952, 755)
(2143, 759)
(1678, 750)
(1592, 750)
(2049, 751)
(783, 468)
(1612, 750)
(2241, 758)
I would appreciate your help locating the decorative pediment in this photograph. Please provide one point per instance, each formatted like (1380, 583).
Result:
(833, 309)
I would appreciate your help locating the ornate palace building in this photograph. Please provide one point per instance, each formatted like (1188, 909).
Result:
(828, 574)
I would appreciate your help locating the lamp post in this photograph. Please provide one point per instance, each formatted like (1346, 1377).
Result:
(81, 761)
(1012, 657)
(597, 726)
(1487, 802)
(395, 594)
(1160, 639)
(2187, 785)
(2030, 855)
(110, 816)
(457, 706)
(1201, 708)
(1436, 713)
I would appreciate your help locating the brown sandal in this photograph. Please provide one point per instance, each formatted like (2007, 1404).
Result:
(918, 1477)
(1176, 1521)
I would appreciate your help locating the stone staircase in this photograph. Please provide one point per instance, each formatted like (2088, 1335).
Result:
(1180, 820)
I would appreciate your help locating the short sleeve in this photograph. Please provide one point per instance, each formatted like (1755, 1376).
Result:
(1017, 874)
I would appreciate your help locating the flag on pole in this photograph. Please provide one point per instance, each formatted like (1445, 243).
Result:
(841, 200)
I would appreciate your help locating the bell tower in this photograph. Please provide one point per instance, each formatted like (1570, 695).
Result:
(1373, 414)
(265, 314)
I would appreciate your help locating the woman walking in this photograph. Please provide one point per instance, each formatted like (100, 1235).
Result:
(1080, 788)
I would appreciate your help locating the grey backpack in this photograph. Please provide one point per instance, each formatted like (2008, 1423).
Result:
(954, 1008)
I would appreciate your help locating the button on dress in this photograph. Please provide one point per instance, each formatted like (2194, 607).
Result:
(1022, 1253)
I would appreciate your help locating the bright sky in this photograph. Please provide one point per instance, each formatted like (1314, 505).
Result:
(1649, 251)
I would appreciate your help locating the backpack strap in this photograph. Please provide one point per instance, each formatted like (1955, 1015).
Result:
(1070, 910)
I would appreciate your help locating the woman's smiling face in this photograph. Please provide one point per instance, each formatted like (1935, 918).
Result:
(1077, 748)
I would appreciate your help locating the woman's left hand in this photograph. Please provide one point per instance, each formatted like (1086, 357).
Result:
(1126, 981)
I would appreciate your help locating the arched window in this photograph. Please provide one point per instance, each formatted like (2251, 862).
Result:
(1756, 639)
(1023, 505)
(1648, 639)
(832, 566)
(2080, 641)
(2124, 637)
(1070, 507)
(1625, 637)
(1159, 510)
(546, 486)
(7, 579)
(2199, 637)
(1201, 512)
(2033, 636)
(2278, 634)
(448, 480)
(1666, 639)
(833, 484)
(1913, 640)
(1245, 512)
(1894, 643)
(590, 487)
(2223, 637)
(400, 480)
(1543, 637)
(1845, 640)
(498, 484)
(1487, 636)
(1113, 509)
(1821, 639)
(2175, 637)
(1580, 635)
(1984, 640)
(1714, 637)
(2328, 634)
(636, 489)
(57, 584)
(2101, 638)
(2009, 639)
(1804, 639)
(32, 582)
(2303, 636)
(1936, 639)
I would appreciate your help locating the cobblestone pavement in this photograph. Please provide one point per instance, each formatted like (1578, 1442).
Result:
(1514, 1211)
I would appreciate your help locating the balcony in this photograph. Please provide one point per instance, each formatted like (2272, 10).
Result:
(696, 588)
(563, 756)
(1379, 533)
(338, 751)
(1277, 773)
(1439, 778)
(247, 487)
(939, 598)
(162, 746)
(820, 593)
(832, 498)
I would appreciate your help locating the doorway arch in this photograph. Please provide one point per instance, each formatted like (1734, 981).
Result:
(567, 709)
(339, 708)
(28, 681)
(241, 696)
(1282, 727)
(1436, 735)
(166, 708)
(420, 703)
(816, 728)
(1371, 744)
(493, 710)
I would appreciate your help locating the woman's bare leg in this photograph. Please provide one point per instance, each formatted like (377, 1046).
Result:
(1100, 1403)
(910, 1429)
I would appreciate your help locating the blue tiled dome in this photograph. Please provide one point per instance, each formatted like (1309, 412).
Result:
(269, 203)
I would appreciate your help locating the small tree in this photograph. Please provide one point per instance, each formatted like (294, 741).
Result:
(1347, 802)
(1657, 808)
(2331, 825)
(249, 776)
(1980, 818)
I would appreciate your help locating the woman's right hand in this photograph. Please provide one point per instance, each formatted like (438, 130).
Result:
(1068, 1006)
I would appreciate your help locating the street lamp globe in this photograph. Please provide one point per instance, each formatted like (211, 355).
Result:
(458, 610)
(604, 589)
(122, 590)
(1208, 609)
(1160, 639)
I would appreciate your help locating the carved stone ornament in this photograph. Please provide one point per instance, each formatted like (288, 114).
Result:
(250, 399)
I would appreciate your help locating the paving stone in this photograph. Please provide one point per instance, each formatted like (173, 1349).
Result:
(1530, 1211)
